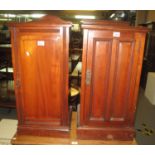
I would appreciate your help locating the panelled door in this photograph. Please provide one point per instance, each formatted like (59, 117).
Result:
(42, 87)
(109, 70)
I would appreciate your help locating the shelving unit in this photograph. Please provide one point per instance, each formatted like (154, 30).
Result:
(75, 61)
(7, 95)
(75, 57)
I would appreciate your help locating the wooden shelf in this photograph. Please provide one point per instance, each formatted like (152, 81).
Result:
(5, 45)
(76, 49)
(8, 104)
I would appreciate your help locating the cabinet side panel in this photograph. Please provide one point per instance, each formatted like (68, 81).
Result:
(136, 74)
(16, 73)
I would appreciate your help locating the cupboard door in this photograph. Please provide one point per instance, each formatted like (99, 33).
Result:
(109, 67)
(42, 85)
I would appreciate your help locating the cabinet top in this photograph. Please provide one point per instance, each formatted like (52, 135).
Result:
(111, 25)
(48, 20)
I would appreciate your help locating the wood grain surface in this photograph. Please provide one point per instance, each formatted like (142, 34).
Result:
(72, 140)
(40, 61)
(112, 55)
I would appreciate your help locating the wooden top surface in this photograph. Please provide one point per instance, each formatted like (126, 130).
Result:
(47, 20)
(110, 25)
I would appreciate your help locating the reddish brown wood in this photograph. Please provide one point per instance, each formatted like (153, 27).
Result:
(108, 102)
(28, 139)
(40, 60)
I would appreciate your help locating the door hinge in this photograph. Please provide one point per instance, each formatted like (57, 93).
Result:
(88, 77)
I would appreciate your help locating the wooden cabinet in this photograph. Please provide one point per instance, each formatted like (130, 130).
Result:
(40, 61)
(111, 68)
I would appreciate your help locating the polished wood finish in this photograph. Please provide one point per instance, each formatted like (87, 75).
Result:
(112, 61)
(25, 139)
(40, 61)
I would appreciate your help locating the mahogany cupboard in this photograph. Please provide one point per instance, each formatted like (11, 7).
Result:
(40, 61)
(111, 68)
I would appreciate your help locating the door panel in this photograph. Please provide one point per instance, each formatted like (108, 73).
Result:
(98, 61)
(110, 61)
(41, 71)
(101, 62)
(122, 78)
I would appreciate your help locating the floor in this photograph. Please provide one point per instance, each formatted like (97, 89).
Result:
(8, 125)
(144, 125)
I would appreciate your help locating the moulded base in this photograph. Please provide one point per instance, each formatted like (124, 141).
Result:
(62, 132)
(35, 140)
(122, 134)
